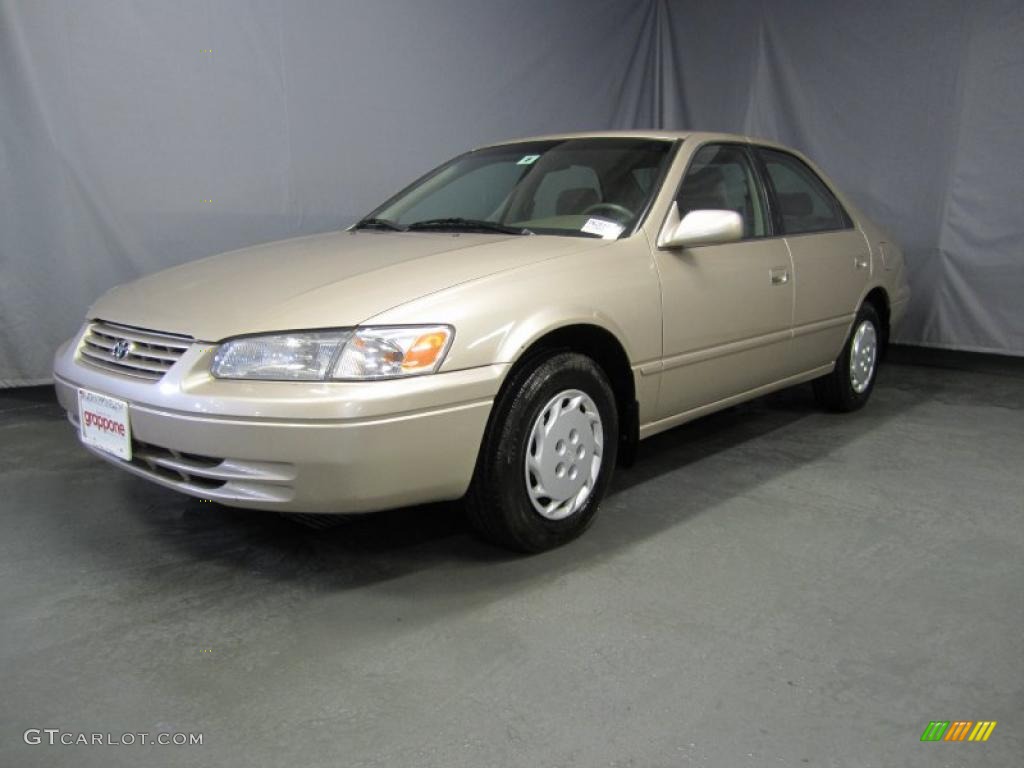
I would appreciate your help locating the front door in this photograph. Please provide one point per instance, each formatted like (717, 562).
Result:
(726, 309)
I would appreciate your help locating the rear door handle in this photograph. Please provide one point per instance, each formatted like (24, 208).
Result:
(779, 275)
(861, 262)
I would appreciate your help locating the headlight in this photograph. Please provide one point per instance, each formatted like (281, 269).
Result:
(290, 356)
(383, 353)
(361, 354)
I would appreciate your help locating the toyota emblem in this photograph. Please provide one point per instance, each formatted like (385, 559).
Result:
(121, 349)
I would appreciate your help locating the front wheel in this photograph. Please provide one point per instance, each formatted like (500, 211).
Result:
(849, 385)
(548, 455)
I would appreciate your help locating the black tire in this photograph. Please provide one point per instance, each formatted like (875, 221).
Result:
(498, 502)
(836, 391)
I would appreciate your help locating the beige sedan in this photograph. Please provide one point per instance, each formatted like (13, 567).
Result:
(505, 329)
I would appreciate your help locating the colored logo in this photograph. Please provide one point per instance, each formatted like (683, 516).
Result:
(958, 730)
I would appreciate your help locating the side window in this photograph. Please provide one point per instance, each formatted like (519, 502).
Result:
(805, 203)
(720, 177)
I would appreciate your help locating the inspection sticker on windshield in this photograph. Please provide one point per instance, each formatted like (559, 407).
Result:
(609, 230)
(528, 160)
(103, 423)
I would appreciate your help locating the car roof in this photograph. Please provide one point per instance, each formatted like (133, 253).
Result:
(651, 133)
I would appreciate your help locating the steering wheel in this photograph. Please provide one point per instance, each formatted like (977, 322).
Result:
(613, 207)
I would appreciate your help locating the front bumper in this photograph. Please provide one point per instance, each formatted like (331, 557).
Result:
(296, 446)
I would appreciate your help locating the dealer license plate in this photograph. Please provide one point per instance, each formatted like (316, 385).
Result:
(103, 423)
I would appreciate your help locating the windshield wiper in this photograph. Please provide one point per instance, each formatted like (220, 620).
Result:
(467, 225)
(372, 223)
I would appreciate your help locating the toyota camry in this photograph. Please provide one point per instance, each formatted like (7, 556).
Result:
(504, 330)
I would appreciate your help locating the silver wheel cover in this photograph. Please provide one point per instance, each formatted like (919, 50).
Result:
(863, 356)
(563, 454)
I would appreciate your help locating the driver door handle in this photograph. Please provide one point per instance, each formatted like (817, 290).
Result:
(779, 275)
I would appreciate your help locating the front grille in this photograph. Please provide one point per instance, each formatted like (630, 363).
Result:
(130, 351)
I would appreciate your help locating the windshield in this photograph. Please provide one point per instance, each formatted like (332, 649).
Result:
(577, 187)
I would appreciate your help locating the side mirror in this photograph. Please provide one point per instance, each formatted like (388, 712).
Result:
(703, 227)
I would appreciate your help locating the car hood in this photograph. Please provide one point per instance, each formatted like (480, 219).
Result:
(320, 281)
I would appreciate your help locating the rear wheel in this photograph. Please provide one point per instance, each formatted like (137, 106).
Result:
(548, 455)
(850, 384)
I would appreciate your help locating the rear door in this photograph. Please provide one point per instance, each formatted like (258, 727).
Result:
(831, 260)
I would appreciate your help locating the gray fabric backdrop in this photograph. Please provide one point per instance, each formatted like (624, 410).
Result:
(138, 135)
(915, 108)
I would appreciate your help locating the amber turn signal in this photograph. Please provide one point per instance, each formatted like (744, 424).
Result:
(424, 351)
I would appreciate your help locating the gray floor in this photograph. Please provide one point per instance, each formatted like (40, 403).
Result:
(768, 586)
